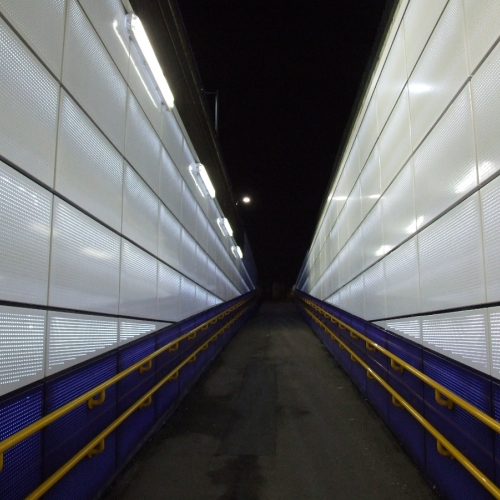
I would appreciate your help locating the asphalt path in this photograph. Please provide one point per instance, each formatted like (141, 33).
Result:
(273, 418)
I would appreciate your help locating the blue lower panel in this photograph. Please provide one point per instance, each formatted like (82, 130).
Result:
(22, 470)
(495, 396)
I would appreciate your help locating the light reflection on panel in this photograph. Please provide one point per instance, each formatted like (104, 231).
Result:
(370, 183)
(133, 329)
(451, 259)
(29, 101)
(25, 216)
(22, 339)
(409, 328)
(460, 336)
(85, 262)
(89, 169)
(73, 338)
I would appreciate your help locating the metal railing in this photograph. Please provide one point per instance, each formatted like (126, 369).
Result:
(97, 396)
(444, 447)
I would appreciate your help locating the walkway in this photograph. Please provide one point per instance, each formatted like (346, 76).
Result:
(274, 418)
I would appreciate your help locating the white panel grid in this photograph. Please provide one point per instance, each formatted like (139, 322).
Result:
(357, 299)
(171, 136)
(445, 164)
(171, 184)
(333, 241)
(334, 299)
(132, 329)
(108, 20)
(419, 21)
(494, 340)
(187, 298)
(85, 262)
(169, 283)
(343, 225)
(481, 19)
(343, 266)
(169, 244)
(355, 249)
(392, 79)
(373, 243)
(29, 103)
(485, 87)
(461, 336)
(25, 218)
(451, 259)
(395, 141)
(440, 72)
(409, 328)
(370, 183)
(350, 173)
(332, 282)
(140, 212)
(188, 255)
(22, 339)
(401, 280)
(92, 77)
(398, 208)
(345, 299)
(142, 145)
(138, 282)
(189, 205)
(201, 267)
(374, 285)
(73, 338)
(354, 209)
(368, 131)
(490, 201)
(89, 170)
(143, 87)
(41, 24)
(342, 190)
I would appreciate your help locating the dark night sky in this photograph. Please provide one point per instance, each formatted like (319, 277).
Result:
(287, 74)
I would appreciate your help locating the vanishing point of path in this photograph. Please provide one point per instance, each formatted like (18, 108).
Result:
(274, 418)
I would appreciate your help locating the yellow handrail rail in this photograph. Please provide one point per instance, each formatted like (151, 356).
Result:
(444, 447)
(88, 397)
(399, 365)
(97, 445)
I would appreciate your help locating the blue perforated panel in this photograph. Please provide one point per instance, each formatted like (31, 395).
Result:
(22, 471)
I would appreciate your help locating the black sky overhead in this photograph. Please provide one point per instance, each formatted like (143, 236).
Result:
(287, 75)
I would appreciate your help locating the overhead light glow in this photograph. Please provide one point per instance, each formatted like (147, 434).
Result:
(411, 228)
(237, 251)
(202, 180)
(420, 88)
(246, 199)
(340, 198)
(468, 183)
(374, 196)
(136, 31)
(224, 226)
(383, 250)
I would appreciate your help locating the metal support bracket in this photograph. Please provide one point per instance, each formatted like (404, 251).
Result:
(442, 450)
(396, 367)
(440, 400)
(97, 402)
(146, 366)
(97, 450)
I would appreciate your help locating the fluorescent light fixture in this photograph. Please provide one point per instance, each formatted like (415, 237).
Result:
(137, 33)
(224, 226)
(246, 199)
(237, 251)
(202, 180)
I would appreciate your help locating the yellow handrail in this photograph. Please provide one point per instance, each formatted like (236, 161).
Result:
(399, 365)
(96, 446)
(88, 397)
(444, 447)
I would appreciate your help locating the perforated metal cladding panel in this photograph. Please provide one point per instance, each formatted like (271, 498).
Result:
(392, 79)
(85, 262)
(22, 344)
(169, 282)
(107, 18)
(405, 327)
(73, 338)
(169, 244)
(439, 73)
(460, 336)
(187, 298)
(398, 208)
(451, 259)
(188, 218)
(188, 255)
(92, 77)
(355, 249)
(142, 145)
(374, 285)
(419, 21)
(89, 170)
(138, 282)
(490, 201)
(485, 87)
(130, 329)
(353, 208)
(494, 338)
(29, 101)
(370, 183)
(343, 224)
(140, 212)
(171, 184)
(356, 296)
(171, 136)
(401, 280)
(395, 141)
(201, 268)
(368, 131)
(373, 247)
(332, 279)
(25, 212)
(43, 32)
(445, 164)
(344, 266)
(481, 19)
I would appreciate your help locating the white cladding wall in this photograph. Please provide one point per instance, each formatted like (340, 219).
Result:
(412, 221)
(108, 219)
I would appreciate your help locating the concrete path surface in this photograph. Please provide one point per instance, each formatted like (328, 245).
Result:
(274, 418)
